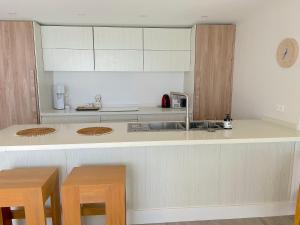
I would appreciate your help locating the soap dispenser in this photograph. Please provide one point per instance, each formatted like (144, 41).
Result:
(227, 122)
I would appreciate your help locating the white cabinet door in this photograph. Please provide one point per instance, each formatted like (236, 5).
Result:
(118, 60)
(70, 119)
(118, 38)
(67, 37)
(68, 60)
(167, 39)
(118, 49)
(166, 61)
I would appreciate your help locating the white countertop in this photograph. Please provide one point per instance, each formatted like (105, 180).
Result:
(245, 131)
(109, 111)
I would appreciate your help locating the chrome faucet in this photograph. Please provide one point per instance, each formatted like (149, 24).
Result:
(187, 117)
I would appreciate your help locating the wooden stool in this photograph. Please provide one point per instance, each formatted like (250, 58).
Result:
(297, 212)
(95, 184)
(30, 188)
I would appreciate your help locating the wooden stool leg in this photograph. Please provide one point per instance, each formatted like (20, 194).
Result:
(297, 213)
(71, 206)
(115, 206)
(1, 218)
(5, 216)
(55, 204)
(34, 208)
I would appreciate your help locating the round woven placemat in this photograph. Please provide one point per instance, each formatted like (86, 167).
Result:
(92, 131)
(33, 132)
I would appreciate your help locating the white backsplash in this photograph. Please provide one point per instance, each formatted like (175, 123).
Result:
(119, 88)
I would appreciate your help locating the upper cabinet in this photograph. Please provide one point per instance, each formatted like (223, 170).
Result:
(68, 60)
(116, 38)
(167, 49)
(168, 61)
(68, 48)
(167, 39)
(118, 60)
(67, 37)
(118, 49)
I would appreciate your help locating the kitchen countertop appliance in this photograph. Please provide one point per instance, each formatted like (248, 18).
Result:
(165, 101)
(177, 101)
(59, 96)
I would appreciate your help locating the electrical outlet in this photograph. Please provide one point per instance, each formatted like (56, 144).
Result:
(280, 108)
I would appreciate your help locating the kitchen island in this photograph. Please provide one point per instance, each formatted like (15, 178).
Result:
(250, 171)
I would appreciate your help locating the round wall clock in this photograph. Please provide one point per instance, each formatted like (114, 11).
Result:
(287, 52)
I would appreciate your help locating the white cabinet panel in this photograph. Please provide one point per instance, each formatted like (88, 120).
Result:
(161, 177)
(67, 37)
(118, 60)
(70, 119)
(166, 60)
(167, 38)
(118, 38)
(251, 173)
(111, 118)
(68, 60)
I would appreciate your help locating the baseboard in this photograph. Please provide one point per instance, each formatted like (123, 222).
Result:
(165, 215)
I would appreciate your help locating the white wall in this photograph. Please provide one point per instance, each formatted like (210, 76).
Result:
(119, 88)
(259, 83)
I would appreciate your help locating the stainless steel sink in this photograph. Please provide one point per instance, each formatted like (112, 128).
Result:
(165, 126)
(205, 125)
(155, 126)
(174, 126)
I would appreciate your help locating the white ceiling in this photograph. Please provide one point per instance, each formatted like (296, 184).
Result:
(128, 12)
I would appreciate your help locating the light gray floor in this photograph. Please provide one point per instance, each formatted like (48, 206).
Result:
(283, 220)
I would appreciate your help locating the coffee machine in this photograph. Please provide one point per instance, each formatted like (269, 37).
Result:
(59, 96)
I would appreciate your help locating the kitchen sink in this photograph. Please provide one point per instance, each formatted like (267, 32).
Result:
(205, 125)
(174, 126)
(165, 126)
(155, 126)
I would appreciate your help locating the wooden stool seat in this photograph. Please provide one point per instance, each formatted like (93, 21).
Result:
(95, 184)
(30, 188)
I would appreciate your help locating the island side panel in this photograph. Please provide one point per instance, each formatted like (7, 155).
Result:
(162, 177)
(202, 175)
(15, 159)
(256, 173)
(180, 183)
(296, 172)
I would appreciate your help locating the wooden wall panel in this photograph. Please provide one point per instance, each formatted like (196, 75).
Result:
(213, 71)
(18, 97)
